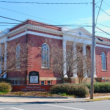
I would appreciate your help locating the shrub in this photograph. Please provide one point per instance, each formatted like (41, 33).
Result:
(70, 89)
(5, 87)
(100, 87)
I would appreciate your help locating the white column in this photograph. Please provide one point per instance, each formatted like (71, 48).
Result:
(64, 59)
(74, 58)
(5, 60)
(84, 61)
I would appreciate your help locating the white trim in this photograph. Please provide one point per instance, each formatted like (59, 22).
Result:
(44, 35)
(17, 36)
(34, 33)
(42, 29)
(104, 46)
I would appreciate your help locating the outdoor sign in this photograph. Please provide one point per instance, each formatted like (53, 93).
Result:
(34, 77)
(31, 87)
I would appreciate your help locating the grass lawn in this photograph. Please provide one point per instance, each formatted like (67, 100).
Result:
(47, 94)
(33, 93)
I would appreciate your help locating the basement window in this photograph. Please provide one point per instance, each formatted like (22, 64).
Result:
(42, 83)
(48, 82)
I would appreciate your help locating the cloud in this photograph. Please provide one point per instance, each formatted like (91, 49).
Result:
(102, 18)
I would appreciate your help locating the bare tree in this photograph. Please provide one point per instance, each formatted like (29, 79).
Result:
(83, 68)
(14, 57)
(82, 62)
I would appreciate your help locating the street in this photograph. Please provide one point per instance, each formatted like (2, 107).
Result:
(98, 105)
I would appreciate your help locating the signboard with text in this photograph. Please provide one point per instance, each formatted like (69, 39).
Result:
(34, 77)
(31, 87)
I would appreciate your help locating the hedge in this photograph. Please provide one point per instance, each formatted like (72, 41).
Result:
(5, 87)
(100, 87)
(70, 89)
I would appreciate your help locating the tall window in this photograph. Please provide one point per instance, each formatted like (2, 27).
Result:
(45, 56)
(18, 56)
(103, 61)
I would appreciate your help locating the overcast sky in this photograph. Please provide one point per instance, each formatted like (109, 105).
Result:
(57, 14)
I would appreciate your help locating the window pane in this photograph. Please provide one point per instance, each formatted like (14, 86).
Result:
(103, 61)
(45, 56)
(18, 56)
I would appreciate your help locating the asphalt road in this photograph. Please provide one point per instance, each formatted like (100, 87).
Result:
(99, 105)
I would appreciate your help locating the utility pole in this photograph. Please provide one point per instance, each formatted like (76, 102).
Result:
(92, 52)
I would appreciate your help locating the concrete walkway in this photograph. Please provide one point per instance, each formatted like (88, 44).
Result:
(40, 100)
(43, 99)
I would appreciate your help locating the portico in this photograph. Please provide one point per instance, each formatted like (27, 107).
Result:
(83, 40)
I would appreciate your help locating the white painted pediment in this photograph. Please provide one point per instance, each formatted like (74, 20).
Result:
(82, 32)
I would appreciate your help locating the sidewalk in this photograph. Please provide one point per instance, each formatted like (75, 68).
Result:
(40, 100)
(22, 99)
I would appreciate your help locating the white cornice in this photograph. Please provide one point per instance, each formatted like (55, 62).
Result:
(29, 26)
(104, 46)
(104, 42)
(63, 33)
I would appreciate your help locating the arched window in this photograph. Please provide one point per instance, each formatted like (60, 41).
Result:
(18, 56)
(45, 56)
(103, 61)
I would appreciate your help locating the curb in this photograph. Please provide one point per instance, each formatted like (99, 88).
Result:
(44, 102)
(37, 97)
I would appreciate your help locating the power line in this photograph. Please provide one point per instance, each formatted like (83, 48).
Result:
(103, 31)
(11, 19)
(54, 25)
(86, 3)
(106, 3)
(28, 15)
(98, 2)
(51, 25)
(98, 12)
(103, 11)
(7, 23)
(104, 25)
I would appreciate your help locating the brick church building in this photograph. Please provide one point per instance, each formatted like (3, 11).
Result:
(40, 34)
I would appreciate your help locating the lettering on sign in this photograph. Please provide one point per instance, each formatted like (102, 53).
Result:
(34, 77)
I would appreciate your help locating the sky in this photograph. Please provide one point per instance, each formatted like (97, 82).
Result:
(74, 15)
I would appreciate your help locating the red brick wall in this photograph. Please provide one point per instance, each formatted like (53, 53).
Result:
(34, 56)
(20, 74)
(34, 52)
(99, 71)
